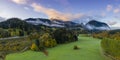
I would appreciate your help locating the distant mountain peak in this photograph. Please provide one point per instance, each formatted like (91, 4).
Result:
(97, 25)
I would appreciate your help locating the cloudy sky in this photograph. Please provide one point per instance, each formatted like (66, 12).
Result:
(107, 10)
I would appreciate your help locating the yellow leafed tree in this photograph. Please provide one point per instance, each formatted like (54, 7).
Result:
(34, 47)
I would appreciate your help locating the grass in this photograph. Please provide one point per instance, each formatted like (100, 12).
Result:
(89, 50)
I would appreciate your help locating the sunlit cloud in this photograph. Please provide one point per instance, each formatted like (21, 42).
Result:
(50, 12)
(54, 14)
(20, 1)
(68, 12)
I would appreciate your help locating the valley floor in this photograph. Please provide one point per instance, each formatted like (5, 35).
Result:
(90, 49)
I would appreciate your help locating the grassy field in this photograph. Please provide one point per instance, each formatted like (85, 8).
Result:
(89, 50)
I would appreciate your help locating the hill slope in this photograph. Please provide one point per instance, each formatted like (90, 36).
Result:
(89, 50)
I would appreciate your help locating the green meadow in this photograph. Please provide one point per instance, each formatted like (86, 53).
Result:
(90, 49)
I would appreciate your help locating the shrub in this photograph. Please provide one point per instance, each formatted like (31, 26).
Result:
(76, 47)
(34, 47)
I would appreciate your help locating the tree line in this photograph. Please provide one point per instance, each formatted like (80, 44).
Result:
(110, 43)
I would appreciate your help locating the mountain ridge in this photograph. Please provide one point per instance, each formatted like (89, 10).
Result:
(37, 22)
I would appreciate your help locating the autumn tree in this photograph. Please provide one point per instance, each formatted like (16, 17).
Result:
(47, 40)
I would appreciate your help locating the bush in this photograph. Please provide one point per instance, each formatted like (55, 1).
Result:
(76, 47)
(34, 47)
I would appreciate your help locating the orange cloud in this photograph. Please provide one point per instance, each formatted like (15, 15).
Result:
(54, 14)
